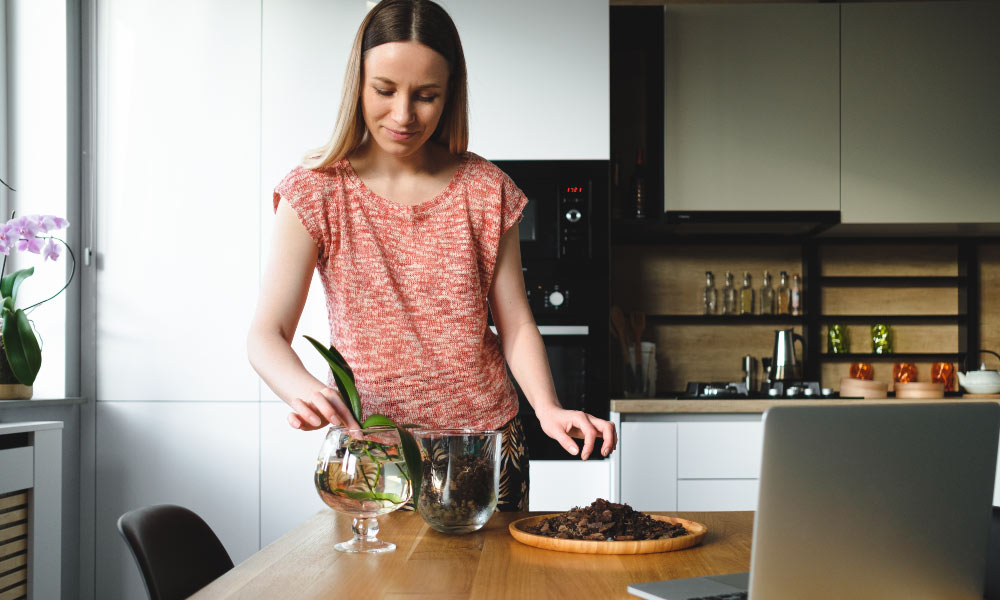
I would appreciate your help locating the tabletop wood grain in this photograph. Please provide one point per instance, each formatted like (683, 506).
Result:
(487, 564)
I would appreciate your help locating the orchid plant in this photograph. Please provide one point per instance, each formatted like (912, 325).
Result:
(31, 233)
(343, 376)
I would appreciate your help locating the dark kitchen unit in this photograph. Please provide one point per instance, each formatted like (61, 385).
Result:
(564, 255)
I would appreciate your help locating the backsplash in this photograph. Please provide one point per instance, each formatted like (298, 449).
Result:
(859, 280)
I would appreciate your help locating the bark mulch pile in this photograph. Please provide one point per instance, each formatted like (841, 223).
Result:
(605, 521)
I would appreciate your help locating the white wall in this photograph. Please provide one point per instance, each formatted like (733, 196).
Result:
(202, 108)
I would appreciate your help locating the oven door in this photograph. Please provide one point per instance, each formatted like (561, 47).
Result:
(569, 353)
(539, 226)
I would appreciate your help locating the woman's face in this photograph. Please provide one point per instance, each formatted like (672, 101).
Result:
(403, 95)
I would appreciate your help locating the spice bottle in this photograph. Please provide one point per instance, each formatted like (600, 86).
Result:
(795, 295)
(746, 295)
(709, 295)
(728, 296)
(766, 296)
(784, 294)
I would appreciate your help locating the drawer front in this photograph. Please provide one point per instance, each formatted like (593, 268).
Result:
(17, 469)
(717, 494)
(719, 450)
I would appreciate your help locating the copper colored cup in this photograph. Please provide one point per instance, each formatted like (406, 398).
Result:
(904, 372)
(944, 372)
(862, 370)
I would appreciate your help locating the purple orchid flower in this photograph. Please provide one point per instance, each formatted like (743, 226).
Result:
(51, 251)
(26, 227)
(32, 244)
(47, 223)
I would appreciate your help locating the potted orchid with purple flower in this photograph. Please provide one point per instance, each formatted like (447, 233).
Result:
(21, 355)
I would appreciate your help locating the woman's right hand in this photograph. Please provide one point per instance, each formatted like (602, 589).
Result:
(322, 407)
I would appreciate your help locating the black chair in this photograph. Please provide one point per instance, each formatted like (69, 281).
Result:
(177, 552)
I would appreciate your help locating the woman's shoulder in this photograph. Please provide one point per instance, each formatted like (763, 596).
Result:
(485, 172)
(303, 178)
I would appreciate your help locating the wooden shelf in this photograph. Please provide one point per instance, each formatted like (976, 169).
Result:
(897, 282)
(896, 319)
(725, 319)
(894, 357)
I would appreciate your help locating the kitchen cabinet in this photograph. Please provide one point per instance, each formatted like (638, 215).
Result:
(538, 77)
(920, 128)
(751, 108)
(690, 461)
(670, 462)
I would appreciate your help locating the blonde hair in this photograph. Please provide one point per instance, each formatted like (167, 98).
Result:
(422, 21)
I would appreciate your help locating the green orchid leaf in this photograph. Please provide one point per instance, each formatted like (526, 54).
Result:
(411, 452)
(8, 305)
(21, 346)
(10, 283)
(343, 377)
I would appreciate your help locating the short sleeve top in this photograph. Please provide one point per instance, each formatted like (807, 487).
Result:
(406, 289)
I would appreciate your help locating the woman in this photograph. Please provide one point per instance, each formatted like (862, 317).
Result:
(415, 240)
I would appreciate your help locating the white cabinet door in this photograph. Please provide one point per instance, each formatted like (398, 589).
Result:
(178, 118)
(649, 465)
(287, 468)
(559, 485)
(719, 450)
(201, 455)
(921, 129)
(539, 79)
(752, 107)
(717, 494)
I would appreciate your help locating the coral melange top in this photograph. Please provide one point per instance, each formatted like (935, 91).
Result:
(406, 290)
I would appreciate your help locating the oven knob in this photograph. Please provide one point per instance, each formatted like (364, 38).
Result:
(556, 299)
(573, 215)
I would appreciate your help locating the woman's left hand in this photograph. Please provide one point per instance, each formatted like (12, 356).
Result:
(563, 425)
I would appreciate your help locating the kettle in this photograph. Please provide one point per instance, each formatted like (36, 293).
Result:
(784, 365)
(982, 381)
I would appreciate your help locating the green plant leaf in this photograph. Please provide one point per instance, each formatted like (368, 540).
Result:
(344, 378)
(411, 452)
(10, 283)
(21, 346)
(8, 305)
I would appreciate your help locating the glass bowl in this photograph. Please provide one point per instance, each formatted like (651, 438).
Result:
(461, 478)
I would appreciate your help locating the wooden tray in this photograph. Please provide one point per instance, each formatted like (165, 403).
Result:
(696, 533)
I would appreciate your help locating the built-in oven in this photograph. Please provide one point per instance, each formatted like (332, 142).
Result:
(564, 256)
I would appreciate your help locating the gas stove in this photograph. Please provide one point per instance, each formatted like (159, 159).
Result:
(736, 390)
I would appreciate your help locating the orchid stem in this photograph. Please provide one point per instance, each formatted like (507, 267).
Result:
(71, 274)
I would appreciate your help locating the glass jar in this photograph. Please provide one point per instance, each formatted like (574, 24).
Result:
(881, 339)
(836, 339)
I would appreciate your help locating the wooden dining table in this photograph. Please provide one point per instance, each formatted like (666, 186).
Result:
(489, 563)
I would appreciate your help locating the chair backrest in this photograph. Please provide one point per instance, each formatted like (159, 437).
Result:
(177, 552)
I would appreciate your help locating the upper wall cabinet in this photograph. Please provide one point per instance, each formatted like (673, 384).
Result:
(751, 107)
(538, 77)
(921, 124)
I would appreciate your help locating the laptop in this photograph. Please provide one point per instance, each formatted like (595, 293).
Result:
(865, 501)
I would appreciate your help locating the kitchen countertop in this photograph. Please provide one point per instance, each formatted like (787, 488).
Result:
(675, 405)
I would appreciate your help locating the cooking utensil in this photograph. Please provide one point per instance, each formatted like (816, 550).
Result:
(785, 366)
(637, 318)
(696, 532)
(624, 339)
